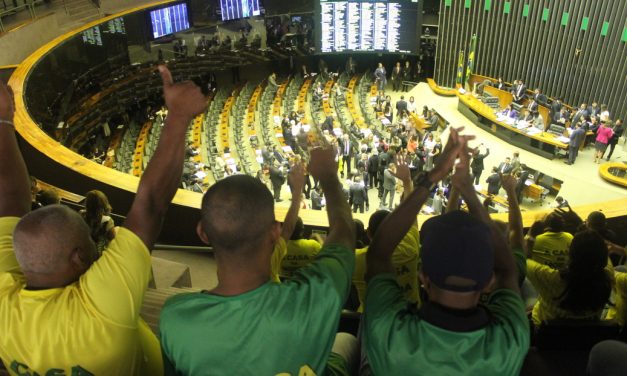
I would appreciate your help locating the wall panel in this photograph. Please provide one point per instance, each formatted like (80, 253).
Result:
(541, 53)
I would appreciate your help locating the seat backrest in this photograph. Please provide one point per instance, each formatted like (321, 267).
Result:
(557, 129)
(574, 334)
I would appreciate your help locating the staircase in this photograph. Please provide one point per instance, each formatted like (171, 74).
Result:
(78, 13)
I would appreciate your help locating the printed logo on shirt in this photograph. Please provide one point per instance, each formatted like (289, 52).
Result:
(304, 371)
(23, 370)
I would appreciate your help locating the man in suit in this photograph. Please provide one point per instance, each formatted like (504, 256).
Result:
(389, 186)
(346, 151)
(576, 138)
(520, 92)
(272, 81)
(580, 114)
(494, 182)
(380, 76)
(396, 76)
(373, 170)
(477, 163)
(350, 66)
(358, 195)
(523, 175)
(407, 72)
(328, 124)
(401, 106)
(537, 99)
(316, 198)
(556, 107)
(277, 178)
(500, 84)
(506, 167)
(594, 109)
(433, 120)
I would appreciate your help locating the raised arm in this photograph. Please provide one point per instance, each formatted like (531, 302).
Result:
(505, 271)
(14, 181)
(514, 217)
(323, 167)
(396, 225)
(296, 181)
(163, 174)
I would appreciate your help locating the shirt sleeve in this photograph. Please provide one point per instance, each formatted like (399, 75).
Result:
(543, 278)
(8, 262)
(116, 283)
(333, 266)
(384, 298)
(508, 308)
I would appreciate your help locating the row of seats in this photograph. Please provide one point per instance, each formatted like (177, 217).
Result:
(11, 7)
(124, 153)
(210, 134)
(239, 114)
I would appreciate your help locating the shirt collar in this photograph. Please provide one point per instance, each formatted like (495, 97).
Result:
(455, 320)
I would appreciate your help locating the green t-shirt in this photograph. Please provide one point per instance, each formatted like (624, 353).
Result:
(401, 342)
(284, 328)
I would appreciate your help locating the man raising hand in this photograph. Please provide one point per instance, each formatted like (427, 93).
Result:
(63, 310)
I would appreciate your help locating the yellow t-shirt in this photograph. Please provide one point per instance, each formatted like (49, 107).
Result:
(406, 261)
(619, 312)
(280, 250)
(300, 253)
(89, 327)
(551, 249)
(549, 285)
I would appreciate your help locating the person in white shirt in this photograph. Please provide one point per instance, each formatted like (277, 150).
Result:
(411, 105)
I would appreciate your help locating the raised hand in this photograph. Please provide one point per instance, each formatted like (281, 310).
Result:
(508, 182)
(455, 145)
(462, 180)
(184, 100)
(322, 164)
(7, 103)
(296, 178)
(402, 169)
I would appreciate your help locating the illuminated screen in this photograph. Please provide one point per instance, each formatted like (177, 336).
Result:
(169, 20)
(234, 9)
(356, 25)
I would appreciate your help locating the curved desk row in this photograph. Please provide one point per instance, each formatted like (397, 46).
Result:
(614, 172)
(445, 92)
(543, 144)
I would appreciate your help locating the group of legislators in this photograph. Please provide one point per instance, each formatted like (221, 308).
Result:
(419, 291)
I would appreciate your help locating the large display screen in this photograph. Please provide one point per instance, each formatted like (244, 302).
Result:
(169, 20)
(361, 25)
(234, 9)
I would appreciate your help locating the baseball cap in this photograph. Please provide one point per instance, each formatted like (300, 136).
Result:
(457, 252)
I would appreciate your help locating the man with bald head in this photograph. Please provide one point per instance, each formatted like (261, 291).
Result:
(63, 310)
(249, 325)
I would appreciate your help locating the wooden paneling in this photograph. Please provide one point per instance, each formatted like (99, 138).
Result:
(564, 61)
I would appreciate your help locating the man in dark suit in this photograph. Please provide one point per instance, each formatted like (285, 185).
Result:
(580, 114)
(556, 107)
(277, 178)
(350, 66)
(594, 109)
(396, 76)
(477, 163)
(537, 99)
(380, 76)
(328, 124)
(358, 195)
(373, 170)
(576, 138)
(407, 73)
(520, 92)
(500, 84)
(346, 150)
(494, 182)
(523, 175)
(401, 106)
(506, 167)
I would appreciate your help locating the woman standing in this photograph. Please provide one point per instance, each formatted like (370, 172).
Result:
(604, 134)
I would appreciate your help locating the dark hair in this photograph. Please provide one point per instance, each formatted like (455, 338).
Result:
(554, 222)
(360, 234)
(237, 212)
(96, 206)
(298, 229)
(375, 220)
(48, 196)
(588, 286)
